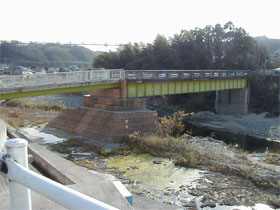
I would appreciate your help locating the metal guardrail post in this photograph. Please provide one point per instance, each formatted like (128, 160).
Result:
(19, 195)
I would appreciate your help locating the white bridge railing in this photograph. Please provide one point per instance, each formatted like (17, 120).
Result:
(10, 84)
(14, 166)
(60, 78)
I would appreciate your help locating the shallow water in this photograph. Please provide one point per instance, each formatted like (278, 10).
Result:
(158, 177)
(141, 168)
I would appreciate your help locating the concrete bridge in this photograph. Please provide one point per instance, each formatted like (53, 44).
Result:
(116, 105)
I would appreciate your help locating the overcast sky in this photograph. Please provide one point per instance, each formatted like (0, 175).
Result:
(122, 21)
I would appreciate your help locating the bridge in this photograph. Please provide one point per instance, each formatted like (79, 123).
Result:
(140, 83)
(116, 105)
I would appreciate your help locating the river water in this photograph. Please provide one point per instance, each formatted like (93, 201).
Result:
(245, 142)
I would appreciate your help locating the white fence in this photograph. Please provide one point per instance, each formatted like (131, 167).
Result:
(14, 166)
(60, 78)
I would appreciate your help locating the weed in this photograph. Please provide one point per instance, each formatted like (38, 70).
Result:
(84, 163)
(73, 142)
(61, 149)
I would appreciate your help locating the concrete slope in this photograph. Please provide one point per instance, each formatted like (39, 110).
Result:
(78, 178)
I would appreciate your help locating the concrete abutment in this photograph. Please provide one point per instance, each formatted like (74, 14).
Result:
(232, 102)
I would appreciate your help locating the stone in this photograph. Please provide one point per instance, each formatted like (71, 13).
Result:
(157, 161)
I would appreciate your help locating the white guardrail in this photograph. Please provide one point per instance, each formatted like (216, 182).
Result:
(60, 78)
(14, 166)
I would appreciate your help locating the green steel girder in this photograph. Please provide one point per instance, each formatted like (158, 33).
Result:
(177, 87)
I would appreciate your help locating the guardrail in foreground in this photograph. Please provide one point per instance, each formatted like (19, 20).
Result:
(14, 166)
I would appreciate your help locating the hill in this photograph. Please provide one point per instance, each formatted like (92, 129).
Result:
(45, 54)
(273, 48)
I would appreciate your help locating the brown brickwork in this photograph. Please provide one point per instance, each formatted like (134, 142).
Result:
(109, 126)
(107, 119)
(107, 93)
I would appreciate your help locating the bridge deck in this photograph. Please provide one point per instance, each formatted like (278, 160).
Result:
(141, 83)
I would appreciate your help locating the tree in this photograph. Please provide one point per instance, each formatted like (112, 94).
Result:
(218, 47)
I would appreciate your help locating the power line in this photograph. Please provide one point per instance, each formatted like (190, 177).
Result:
(70, 43)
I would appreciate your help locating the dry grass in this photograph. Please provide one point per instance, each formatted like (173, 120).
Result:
(18, 117)
(27, 104)
(173, 125)
(273, 158)
(84, 163)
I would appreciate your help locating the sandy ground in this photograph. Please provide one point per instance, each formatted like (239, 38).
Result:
(256, 125)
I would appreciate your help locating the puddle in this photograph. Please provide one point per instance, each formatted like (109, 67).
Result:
(157, 176)
(40, 137)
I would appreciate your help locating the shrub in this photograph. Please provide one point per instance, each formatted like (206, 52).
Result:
(172, 125)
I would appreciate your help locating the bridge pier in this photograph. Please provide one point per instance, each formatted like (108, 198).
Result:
(232, 102)
(108, 115)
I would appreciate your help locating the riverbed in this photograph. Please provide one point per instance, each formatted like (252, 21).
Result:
(159, 179)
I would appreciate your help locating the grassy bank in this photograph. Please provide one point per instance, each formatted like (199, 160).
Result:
(22, 112)
(27, 104)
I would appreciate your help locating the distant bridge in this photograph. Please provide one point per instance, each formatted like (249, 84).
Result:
(140, 83)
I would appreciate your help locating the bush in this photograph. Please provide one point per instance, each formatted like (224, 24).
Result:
(173, 125)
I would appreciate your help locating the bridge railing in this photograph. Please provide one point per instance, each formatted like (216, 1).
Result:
(79, 77)
(161, 75)
(60, 78)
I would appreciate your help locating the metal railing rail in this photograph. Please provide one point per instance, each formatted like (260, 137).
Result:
(79, 78)
(19, 81)
(14, 166)
(166, 75)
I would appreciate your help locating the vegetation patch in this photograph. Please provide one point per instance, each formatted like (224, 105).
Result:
(84, 163)
(27, 104)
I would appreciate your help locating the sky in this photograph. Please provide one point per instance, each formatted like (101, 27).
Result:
(123, 21)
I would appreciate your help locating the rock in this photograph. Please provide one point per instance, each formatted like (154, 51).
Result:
(133, 167)
(157, 161)
(189, 205)
(211, 205)
(195, 193)
(204, 116)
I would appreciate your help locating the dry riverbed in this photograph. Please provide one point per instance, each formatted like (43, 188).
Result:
(215, 174)
(258, 125)
(225, 176)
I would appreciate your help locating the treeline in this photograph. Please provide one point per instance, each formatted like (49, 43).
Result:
(264, 94)
(273, 47)
(218, 47)
(45, 55)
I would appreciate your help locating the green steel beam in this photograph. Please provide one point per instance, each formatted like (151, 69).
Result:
(177, 87)
(23, 94)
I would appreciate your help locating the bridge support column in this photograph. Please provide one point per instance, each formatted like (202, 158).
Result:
(232, 102)
(108, 115)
